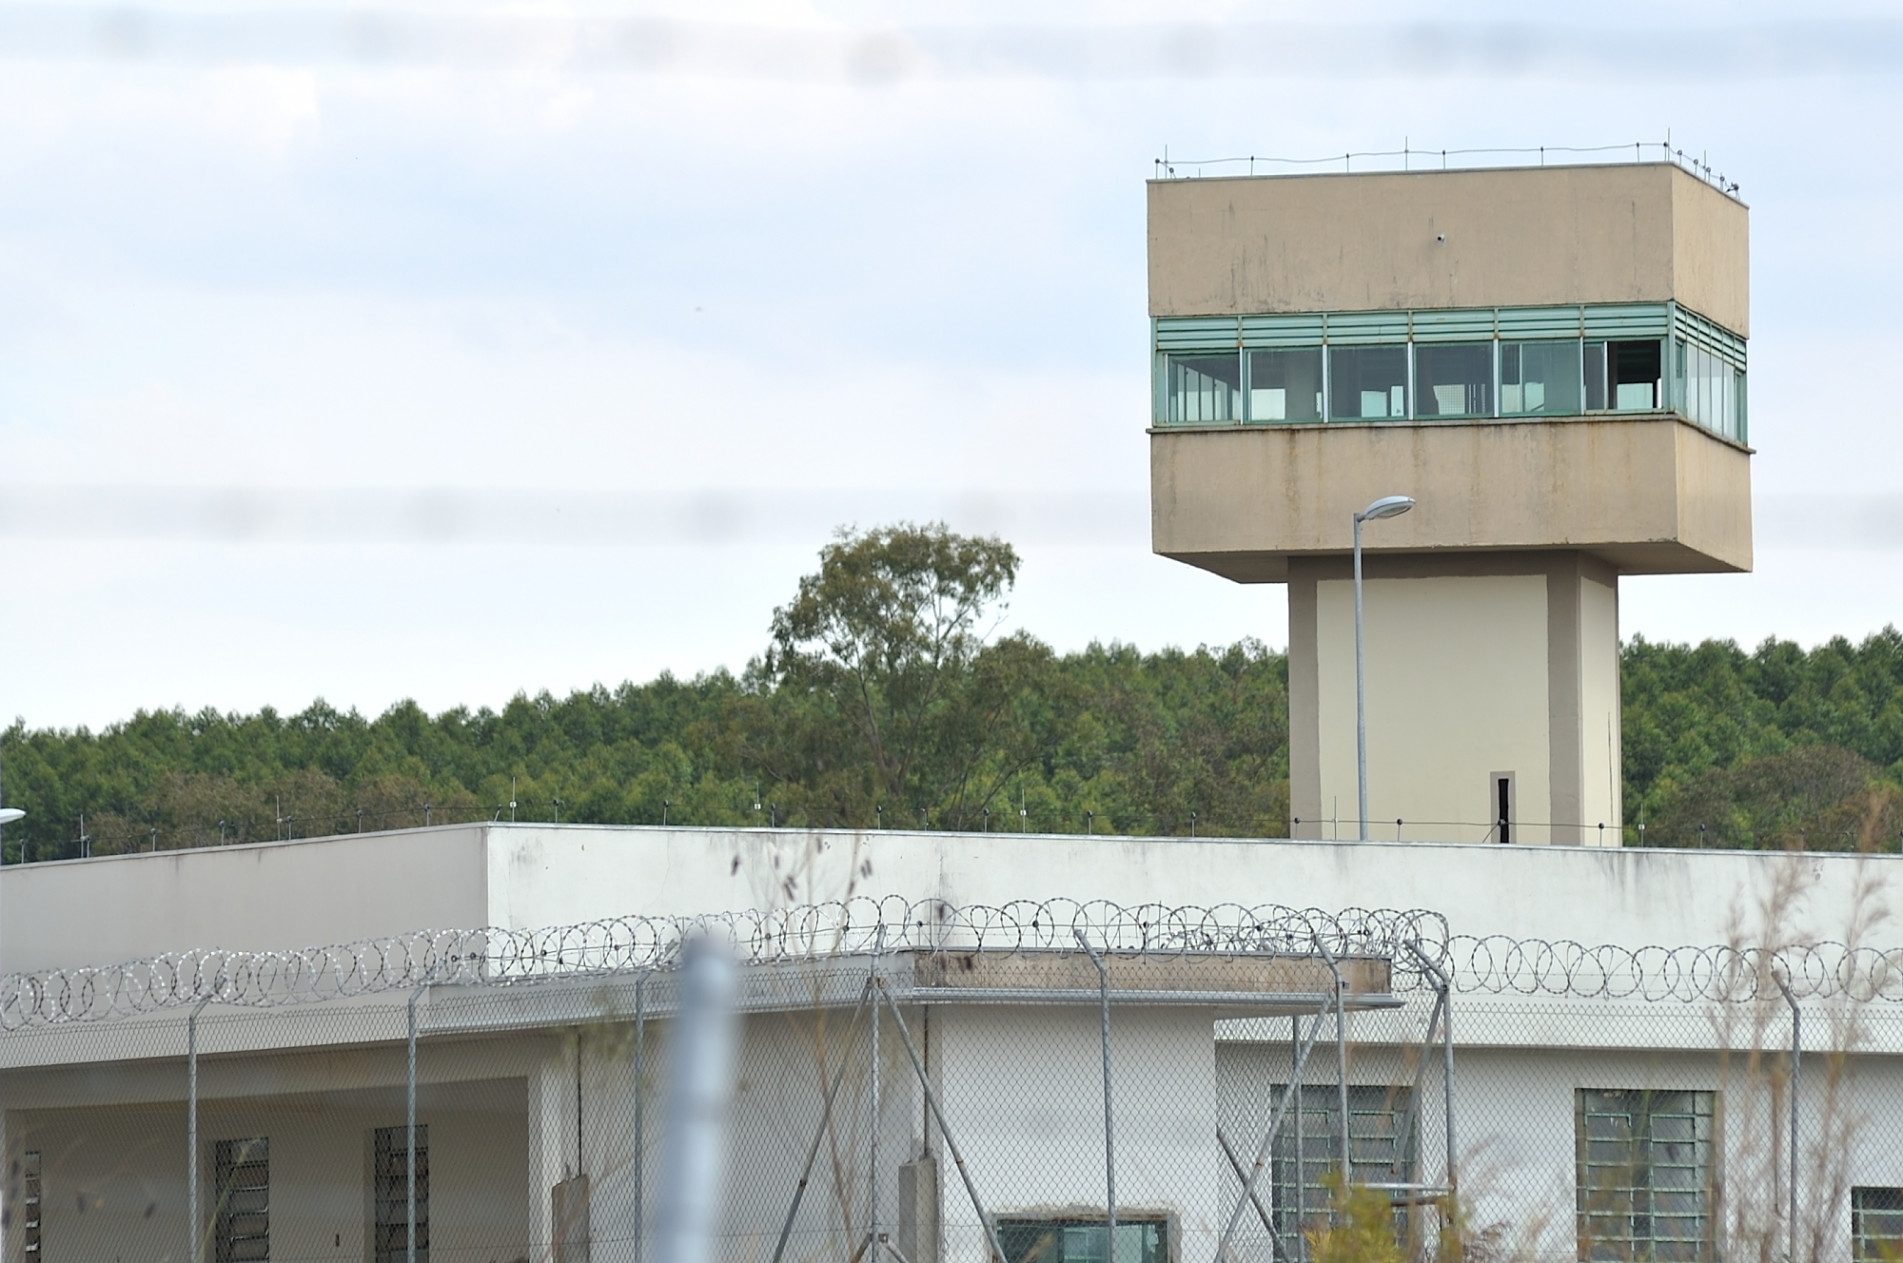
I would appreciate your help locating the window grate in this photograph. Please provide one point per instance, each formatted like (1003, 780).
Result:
(1381, 1148)
(243, 1229)
(392, 1158)
(1876, 1224)
(1645, 1179)
(30, 1198)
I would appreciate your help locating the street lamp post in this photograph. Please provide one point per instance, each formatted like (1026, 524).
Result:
(1386, 506)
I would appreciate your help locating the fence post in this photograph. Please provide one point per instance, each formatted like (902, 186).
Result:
(196, 1250)
(1109, 1127)
(640, 1092)
(1444, 983)
(872, 1175)
(1797, 1060)
(409, 1142)
(1341, 1062)
(1295, 1094)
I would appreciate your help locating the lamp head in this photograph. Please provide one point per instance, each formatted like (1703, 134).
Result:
(1386, 506)
(9, 814)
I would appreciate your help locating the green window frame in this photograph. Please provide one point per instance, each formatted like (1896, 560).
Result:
(1876, 1224)
(1141, 1238)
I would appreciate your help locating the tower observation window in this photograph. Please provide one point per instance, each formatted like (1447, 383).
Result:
(1539, 379)
(1205, 389)
(1285, 385)
(1367, 383)
(1450, 365)
(1624, 376)
(1454, 380)
(1707, 389)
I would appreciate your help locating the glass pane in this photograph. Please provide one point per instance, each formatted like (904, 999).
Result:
(1367, 383)
(1595, 375)
(1285, 385)
(1080, 1241)
(1205, 389)
(1539, 379)
(1454, 380)
(1633, 371)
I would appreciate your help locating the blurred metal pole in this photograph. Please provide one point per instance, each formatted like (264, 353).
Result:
(1109, 1128)
(640, 1119)
(1797, 1055)
(196, 1243)
(700, 1084)
(409, 1132)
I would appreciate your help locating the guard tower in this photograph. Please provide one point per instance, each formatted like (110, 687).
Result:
(1550, 361)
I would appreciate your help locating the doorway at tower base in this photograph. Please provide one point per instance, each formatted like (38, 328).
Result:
(1492, 698)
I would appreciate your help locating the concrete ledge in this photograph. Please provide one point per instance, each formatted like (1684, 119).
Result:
(1647, 494)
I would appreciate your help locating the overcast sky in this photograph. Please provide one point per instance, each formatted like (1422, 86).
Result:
(447, 352)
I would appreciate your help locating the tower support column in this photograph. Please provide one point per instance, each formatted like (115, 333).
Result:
(1493, 696)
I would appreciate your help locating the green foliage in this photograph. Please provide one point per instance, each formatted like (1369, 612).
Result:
(884, 698)
(1778, 747)
(881, 700)
(1361, 1230)
(887, 691)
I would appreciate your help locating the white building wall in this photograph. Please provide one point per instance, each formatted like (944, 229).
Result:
(1456, 688)
(1023, 1093)
(1600, 742)
(541, 875)
(288, 895)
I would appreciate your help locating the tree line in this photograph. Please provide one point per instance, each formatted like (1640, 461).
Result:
(885, 698)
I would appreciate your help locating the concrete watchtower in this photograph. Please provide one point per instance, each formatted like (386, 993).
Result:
(1551, 362)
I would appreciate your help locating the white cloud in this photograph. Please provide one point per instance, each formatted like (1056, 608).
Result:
(324, 269)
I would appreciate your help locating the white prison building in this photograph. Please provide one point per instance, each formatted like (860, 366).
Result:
(206, 1054)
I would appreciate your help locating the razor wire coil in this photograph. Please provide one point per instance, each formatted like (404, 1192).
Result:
(1490, 965)
(629, 945)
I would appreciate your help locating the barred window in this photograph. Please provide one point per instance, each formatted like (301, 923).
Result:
(393, 1193)
(1876, 1224)
(1140, 1239)
(1381, 1147)
(1646, 1183)
(243, 1227)
(30, 1205)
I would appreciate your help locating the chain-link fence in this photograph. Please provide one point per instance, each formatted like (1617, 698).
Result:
(924, 1082)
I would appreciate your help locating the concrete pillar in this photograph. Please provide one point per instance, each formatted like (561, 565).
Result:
(552, 1136)
(1487, 674)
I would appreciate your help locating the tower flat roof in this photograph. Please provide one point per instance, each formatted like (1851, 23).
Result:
(1516, 236)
